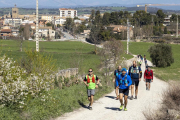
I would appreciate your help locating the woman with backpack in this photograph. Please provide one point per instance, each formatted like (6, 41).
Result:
(148, 77)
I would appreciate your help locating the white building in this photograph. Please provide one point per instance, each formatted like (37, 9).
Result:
(65, 13)
(60, 21)
(77, 21)
(48, 18)
(46, 32)
(167, 20)
(82, 17)
(27, 22)
(15, 22)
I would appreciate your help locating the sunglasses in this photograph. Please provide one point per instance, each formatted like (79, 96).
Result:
(90, 71)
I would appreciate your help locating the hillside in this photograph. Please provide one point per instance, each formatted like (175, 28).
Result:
(84, 10)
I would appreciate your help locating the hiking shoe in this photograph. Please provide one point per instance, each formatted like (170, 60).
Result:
(121, 107)
(131, 98)
(125, 109)
(90, 108)
(89, 105)
(135, 97)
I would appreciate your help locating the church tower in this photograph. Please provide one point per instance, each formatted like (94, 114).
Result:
(15, 12)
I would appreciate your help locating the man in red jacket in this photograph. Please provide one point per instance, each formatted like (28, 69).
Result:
(148, 77)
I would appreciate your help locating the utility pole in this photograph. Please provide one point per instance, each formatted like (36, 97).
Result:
(128, 36)
(37, 29)
(177, 31)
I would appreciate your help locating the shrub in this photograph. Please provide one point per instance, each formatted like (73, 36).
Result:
(20, 84)
(161, 55)
(170, 109)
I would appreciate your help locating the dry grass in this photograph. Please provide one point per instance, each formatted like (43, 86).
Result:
(170, 109)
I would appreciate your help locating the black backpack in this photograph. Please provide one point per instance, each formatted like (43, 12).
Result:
(148, 72)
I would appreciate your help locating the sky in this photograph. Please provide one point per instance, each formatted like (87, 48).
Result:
(60, 3)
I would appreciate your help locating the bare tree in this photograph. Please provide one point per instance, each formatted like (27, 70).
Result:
(147, 30)
(110, 53)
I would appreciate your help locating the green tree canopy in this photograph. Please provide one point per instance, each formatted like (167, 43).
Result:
(161, 55)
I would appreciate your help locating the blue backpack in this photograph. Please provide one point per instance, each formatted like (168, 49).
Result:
(120, 83)
(117, 73)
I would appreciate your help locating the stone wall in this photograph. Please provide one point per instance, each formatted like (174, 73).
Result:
(67, 73)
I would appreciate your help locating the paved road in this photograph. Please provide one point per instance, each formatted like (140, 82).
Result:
(67, 36)
(107, 108)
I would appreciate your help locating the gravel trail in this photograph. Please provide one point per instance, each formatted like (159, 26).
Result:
(107, 108)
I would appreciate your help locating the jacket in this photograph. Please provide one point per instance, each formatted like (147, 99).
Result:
(148, 74)
(121, 77)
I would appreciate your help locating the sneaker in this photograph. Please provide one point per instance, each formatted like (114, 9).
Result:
(131, 98)
(90, 108)
(89, 105)
(125, 109)
(146, 88)
(121, 107)
(135, 97)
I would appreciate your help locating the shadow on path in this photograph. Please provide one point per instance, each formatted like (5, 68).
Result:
(113, 108)
(82, 104)
(112, 97)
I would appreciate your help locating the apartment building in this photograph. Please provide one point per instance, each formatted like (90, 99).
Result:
(13, 22)
(167, 20)
(67, 13)
(60, 22)
(47, 18)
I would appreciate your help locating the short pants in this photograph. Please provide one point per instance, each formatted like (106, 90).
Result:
(135, 82)
(124, 91)
(90, 92)
(148, 80)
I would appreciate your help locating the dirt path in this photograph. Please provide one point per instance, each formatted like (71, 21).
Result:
(107, 108)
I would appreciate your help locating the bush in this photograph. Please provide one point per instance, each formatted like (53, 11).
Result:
(161, 55)
(20, 84)
(170, 109)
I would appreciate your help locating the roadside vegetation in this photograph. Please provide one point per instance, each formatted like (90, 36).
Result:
(169, 109)
(49, 100)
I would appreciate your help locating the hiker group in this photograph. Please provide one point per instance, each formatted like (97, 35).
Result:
(124, 80)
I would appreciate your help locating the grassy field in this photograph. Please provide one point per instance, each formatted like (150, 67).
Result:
(60, 101)
(67, 54)
(169, 73)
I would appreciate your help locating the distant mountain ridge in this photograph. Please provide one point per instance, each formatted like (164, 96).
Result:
(75, 4)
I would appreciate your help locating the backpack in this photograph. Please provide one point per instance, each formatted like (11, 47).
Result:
(121, 79)
(117, 73)
(137, 70)
(148, 72)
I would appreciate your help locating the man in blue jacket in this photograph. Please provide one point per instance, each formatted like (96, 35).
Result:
(123, 82)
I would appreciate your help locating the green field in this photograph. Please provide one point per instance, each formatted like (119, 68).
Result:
(67, 54)
(169, 73)
(60, 100)
(76, 54)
